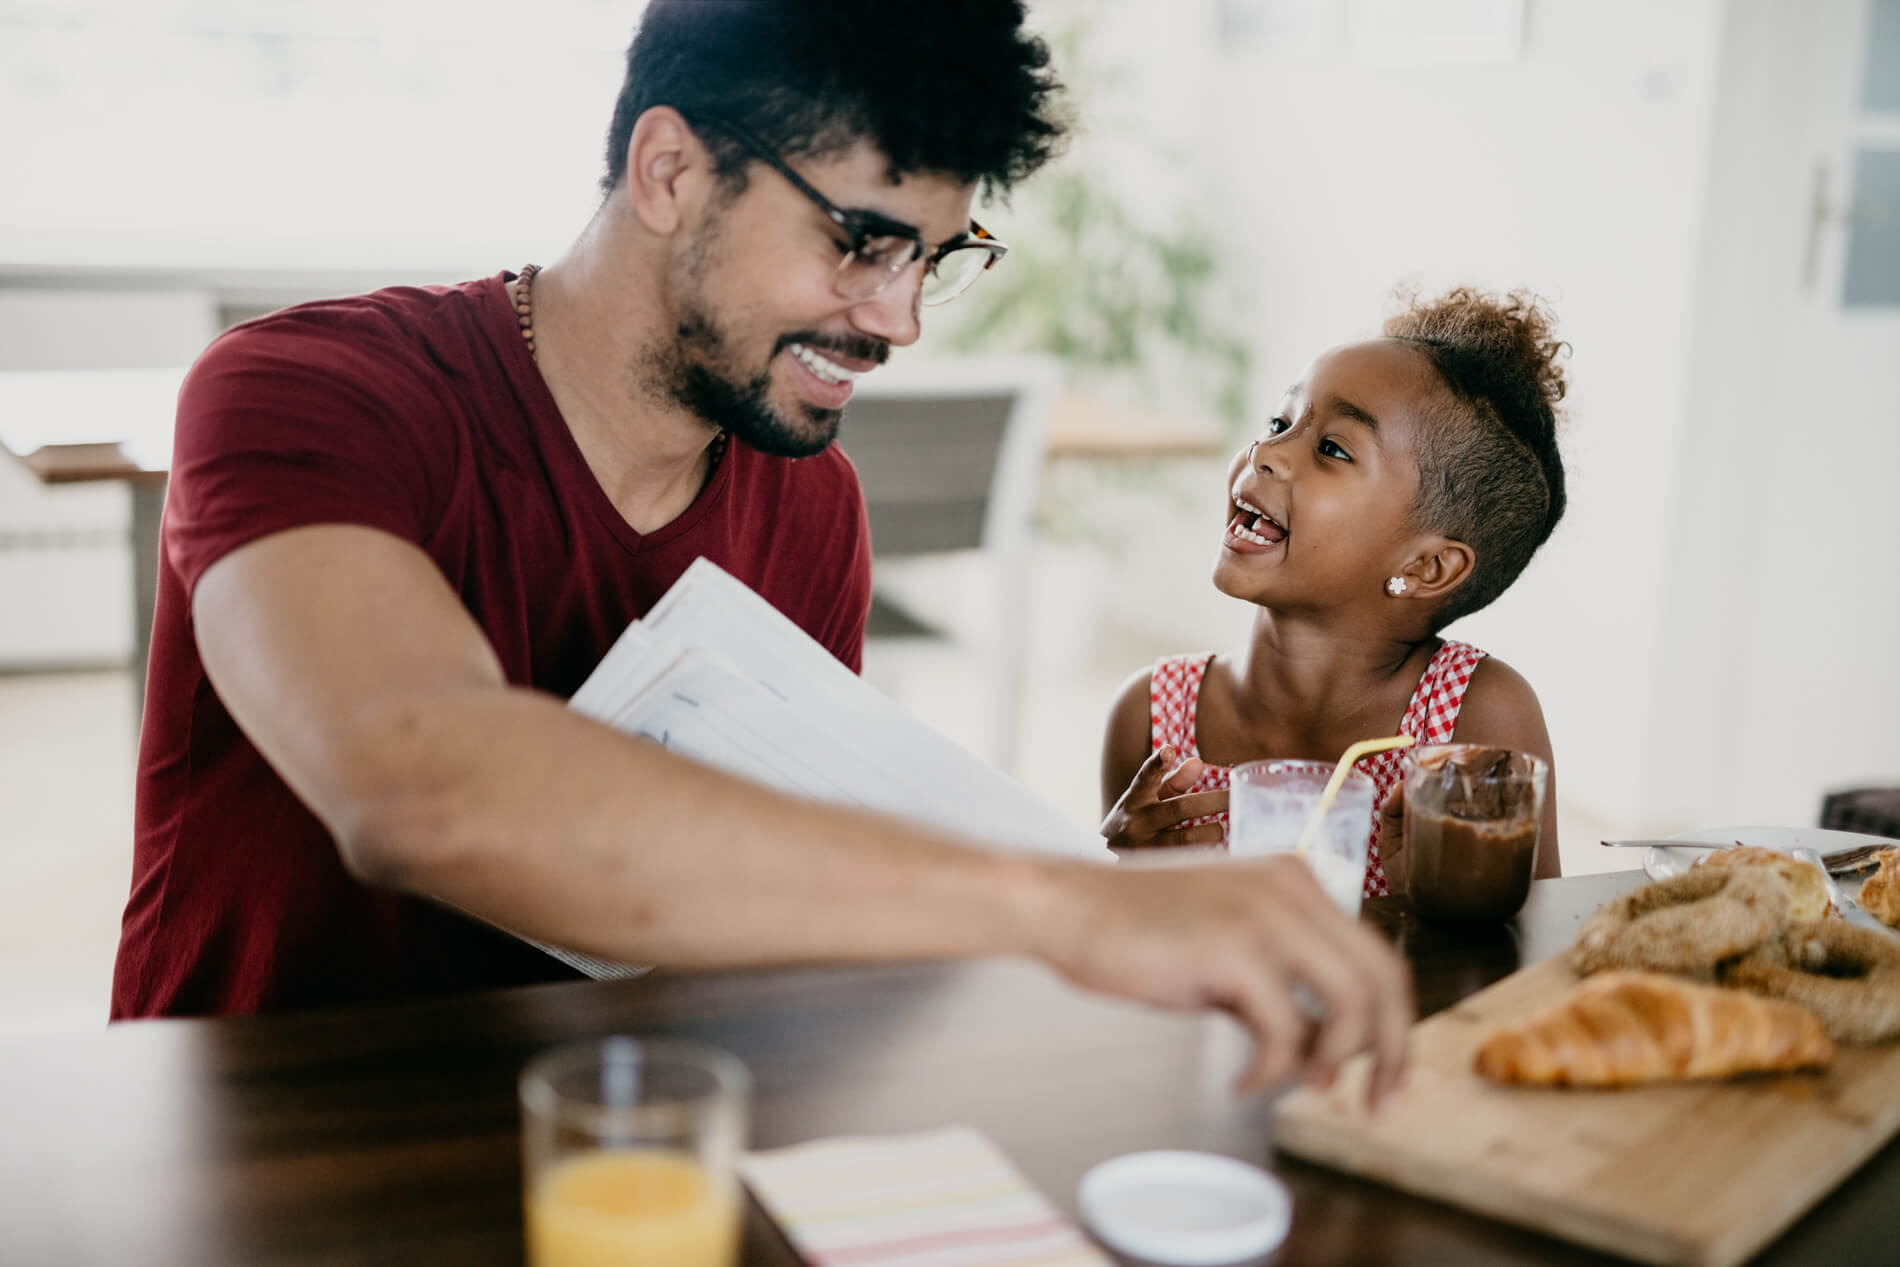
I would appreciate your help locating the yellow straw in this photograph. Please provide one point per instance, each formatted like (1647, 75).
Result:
(1338, 781)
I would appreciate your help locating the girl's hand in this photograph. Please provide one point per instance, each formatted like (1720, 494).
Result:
(1151, 812)
(1392, 838)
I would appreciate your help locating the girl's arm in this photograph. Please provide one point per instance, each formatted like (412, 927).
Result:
(1500, 709)
(1145, 797)
(1126, 744)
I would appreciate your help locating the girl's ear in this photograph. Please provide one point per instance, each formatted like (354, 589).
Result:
(1440, 567)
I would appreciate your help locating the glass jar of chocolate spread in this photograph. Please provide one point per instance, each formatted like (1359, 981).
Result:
(1472, 819)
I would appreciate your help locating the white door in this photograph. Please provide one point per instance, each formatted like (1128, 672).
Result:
(1821, 691)
(1780, 650)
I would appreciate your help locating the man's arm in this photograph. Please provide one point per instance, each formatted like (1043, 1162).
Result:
(349, 662)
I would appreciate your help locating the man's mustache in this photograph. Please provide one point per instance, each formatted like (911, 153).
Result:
(857, 347)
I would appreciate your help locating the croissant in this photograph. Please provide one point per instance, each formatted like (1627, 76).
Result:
(1621, 1028)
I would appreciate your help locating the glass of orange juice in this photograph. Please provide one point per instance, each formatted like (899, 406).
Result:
(630, 1151)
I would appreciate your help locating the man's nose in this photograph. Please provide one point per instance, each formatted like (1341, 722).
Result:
(892, 313)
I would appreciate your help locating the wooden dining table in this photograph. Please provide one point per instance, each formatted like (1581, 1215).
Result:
(389, 1134)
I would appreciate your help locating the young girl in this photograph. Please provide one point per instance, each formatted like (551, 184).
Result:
(1405, 482)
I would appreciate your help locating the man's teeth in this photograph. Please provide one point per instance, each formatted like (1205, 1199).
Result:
(823, 367)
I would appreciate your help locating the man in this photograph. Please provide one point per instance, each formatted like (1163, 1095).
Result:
(402, 528)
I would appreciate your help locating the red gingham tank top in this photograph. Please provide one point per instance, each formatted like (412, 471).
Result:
(1174, 695)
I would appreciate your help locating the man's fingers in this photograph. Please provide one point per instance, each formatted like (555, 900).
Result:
(1348, 995)
(1375, 1011)
(1362, 982)
(1392, 1017)
(1264, 1003)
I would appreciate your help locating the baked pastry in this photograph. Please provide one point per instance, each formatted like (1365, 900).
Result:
(1880, 892)
(1847, 975)
(1807, 887)
(1688, 923)
(1623, 1028)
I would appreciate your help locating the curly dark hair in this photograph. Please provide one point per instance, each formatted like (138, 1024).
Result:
(953, 86)
(1489, 473)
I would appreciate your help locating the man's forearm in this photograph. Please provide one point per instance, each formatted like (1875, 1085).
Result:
(509, 806)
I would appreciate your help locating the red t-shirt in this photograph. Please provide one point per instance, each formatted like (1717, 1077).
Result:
(418, 412)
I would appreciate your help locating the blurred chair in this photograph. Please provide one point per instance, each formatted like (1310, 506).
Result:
(950, 454)
(1872, 811)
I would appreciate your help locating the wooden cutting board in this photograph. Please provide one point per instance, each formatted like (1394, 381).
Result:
(1702, 1173)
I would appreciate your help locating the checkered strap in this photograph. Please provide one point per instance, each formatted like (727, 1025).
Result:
(1174, 699)
(1429, 718)
(1174, 695)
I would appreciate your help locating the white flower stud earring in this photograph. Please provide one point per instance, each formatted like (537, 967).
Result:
(1395, 586)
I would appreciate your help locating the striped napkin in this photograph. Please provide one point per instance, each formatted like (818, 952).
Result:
(943, 1198)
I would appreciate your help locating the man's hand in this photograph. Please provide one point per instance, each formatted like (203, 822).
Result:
(1239, 935)
(1151, 813)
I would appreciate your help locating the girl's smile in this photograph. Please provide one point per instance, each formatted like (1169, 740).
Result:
(1252, 530)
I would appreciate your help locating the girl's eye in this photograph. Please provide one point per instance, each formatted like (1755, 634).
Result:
(1277, 425)
(1331, 449)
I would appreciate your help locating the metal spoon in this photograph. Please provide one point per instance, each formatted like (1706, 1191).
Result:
(1841, 862)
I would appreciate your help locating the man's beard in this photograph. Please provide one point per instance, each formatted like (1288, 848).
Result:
(701, 371)
(705, 379)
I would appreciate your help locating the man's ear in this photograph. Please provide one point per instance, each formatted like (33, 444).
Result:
(1437, 567)
(669, 171)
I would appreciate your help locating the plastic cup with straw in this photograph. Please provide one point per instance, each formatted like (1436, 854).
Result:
(1364, 747)
(1321, 814)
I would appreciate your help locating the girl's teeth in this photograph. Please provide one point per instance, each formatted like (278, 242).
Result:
(1248, 534)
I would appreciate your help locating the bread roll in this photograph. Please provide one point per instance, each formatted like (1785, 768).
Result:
(1807, 887)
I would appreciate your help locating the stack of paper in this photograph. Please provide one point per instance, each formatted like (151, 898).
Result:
(716, 673)
(946, 1198)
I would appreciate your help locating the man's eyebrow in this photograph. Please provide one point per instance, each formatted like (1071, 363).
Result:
(876, 221)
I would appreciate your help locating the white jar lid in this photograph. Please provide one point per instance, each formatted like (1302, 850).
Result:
(1185, 1209)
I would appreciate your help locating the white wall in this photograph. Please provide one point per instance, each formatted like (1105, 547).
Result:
(65, 554)
(1712, 628)
(1576, 169)
(463, 135)
(1777, 643)
(1606, 165)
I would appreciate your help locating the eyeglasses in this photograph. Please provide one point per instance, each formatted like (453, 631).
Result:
(879, 247)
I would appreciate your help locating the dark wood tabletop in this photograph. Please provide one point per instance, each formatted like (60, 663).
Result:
(389, 1134)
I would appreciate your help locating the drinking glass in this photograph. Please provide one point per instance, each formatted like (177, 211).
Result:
(1473, 817)
(630, 1151)
(1269, 803)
